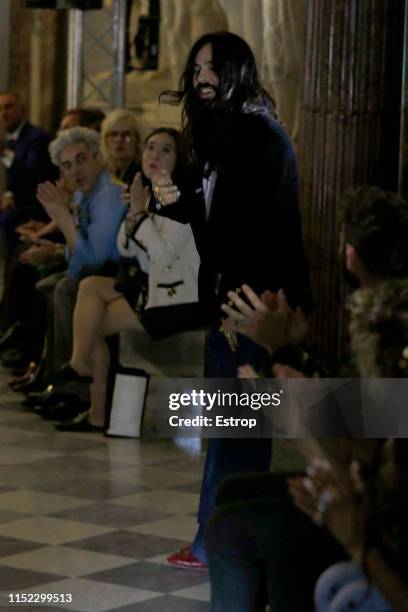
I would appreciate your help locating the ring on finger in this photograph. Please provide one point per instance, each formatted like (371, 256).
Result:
(240, 322)
(156, 190)
(323, 503)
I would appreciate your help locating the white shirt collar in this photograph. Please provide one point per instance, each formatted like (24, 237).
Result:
(14, 135)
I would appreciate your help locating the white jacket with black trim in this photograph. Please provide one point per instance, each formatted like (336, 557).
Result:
(173, 259)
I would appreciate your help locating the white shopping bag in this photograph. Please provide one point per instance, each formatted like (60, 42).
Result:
(128, 402)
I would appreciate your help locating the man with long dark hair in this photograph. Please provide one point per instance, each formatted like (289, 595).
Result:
(245, 218)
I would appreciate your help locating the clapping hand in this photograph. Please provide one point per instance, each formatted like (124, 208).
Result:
(338, 502)
(62, 185)
(52, 197)
(268, 320)
(28, 232)
(43, 252)
(138, 195)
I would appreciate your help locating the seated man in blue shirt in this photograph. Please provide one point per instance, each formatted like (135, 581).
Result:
(90, 222)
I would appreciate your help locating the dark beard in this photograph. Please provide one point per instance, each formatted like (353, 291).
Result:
(211, 126)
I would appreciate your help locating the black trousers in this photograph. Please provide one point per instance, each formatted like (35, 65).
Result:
(261, 549)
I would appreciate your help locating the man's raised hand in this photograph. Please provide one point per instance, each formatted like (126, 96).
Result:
(52, 197)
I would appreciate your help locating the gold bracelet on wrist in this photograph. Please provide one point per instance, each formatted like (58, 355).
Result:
(133, 215)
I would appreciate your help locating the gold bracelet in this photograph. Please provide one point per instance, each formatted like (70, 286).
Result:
(133, 215)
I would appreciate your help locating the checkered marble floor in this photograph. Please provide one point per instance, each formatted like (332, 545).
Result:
(94, 517)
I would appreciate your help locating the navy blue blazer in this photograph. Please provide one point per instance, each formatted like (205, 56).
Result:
(253, 233)
(31, 165)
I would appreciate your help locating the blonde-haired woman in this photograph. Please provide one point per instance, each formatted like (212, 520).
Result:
(120, 144)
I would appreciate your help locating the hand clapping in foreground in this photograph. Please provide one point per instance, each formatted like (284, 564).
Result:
(268, 320)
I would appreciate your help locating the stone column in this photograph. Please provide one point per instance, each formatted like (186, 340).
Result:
(37, 63)
(20, 32)
(349, 133)
(4, 43)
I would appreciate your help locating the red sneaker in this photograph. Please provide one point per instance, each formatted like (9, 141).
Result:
(185, 558)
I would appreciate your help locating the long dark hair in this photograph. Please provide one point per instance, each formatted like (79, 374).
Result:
(240, 89)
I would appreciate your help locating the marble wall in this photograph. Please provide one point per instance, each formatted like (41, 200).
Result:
(36, 48)
(275, 30)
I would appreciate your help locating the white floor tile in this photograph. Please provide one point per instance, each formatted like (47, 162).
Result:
(12, 455)
(153, 477)
(35, 502)
(49, 530)
(65, 561)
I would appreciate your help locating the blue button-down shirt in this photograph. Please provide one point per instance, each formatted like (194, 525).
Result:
(98, 218)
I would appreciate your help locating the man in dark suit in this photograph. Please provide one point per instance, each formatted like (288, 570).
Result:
(245, 217)
(24, 153)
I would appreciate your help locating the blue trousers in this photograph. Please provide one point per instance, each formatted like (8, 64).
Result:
(230, 455)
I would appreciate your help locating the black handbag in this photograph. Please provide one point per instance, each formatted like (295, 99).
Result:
(163, 321)
(130, 279)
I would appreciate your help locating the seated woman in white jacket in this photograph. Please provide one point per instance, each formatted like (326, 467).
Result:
(167, 254)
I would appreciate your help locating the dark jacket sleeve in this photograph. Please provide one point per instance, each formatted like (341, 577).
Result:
(259, 232)
(179, 211)
(31, 165)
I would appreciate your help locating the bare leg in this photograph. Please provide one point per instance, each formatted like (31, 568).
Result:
(101, 363)
(94, 295)
(118, 317)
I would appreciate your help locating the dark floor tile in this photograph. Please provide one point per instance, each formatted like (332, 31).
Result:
(185, 465)
(27, 476)
(55, 442)
(26, 607)
(7, 517)
(40, 473)
(168, 603)
(97, 488)
(38, 608)
(111, 515)
(12, 579)
(9, 405)
(80, 464)
(12, 546)
(151, 576)
(26, 424)
(191, 487)
(127, 544)
(6, 489)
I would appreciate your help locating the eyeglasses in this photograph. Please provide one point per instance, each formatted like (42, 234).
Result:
(126, 136)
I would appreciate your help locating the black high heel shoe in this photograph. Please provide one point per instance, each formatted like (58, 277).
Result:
(67, 374)
(49, 397)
